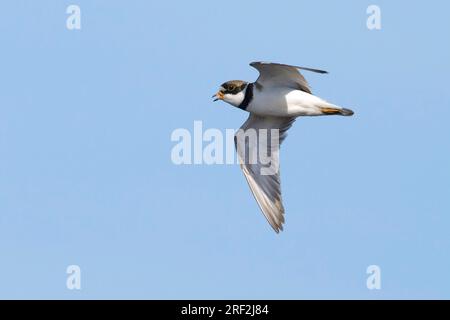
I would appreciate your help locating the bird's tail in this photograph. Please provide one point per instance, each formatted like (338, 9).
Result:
(335, 110)
(346, 112)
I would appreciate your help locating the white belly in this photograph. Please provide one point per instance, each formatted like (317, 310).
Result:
(284, 102)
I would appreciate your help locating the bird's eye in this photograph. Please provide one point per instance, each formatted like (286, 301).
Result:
(231, 87)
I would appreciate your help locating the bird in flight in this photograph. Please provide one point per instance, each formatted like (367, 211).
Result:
(274, 101)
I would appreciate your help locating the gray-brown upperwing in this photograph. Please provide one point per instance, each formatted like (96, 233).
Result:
(277, 74)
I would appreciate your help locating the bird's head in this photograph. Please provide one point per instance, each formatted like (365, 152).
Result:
(232, 92)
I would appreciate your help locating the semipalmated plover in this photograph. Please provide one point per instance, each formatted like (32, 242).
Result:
(274, 101)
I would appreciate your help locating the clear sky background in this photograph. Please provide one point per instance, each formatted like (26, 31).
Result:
(86, 176)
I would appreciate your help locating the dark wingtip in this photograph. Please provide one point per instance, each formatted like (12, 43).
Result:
(316, 70)
(313, 70)
(347, 112)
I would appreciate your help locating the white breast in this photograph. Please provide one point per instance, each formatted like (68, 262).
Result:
(283, 102)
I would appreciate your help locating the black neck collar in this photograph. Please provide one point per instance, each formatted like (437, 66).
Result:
(248, 97)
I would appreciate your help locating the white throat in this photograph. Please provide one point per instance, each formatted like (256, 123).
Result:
(235, 99)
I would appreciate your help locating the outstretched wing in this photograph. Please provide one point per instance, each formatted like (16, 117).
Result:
(263, 176)
(276, 74)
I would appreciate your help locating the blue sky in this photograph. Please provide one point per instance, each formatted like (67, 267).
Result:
(86, 176)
